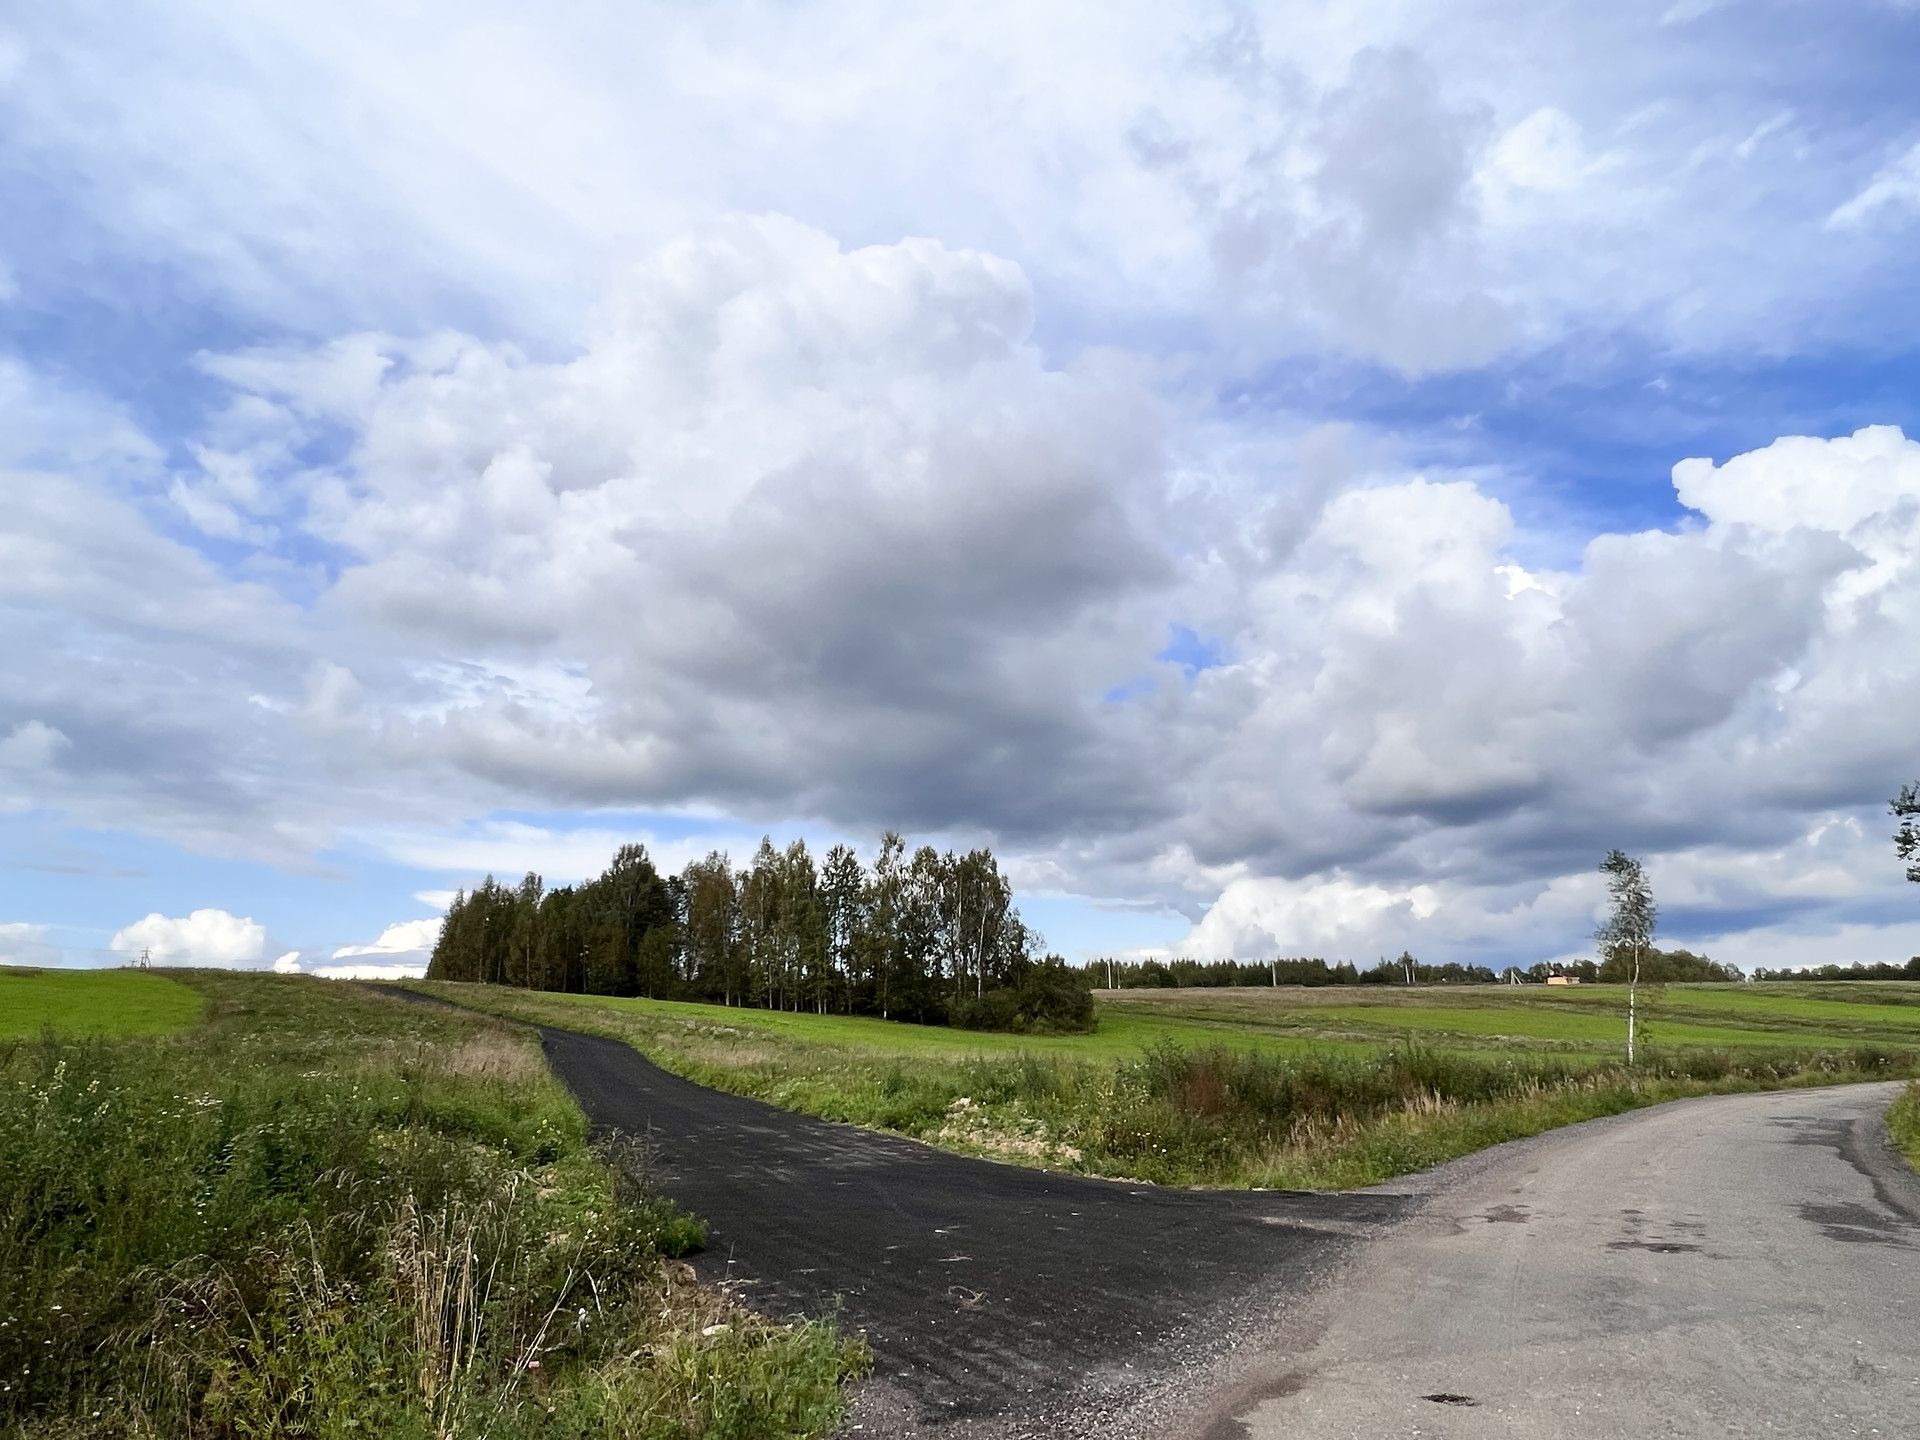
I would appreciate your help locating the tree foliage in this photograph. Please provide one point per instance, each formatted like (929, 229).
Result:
(1666, 967)
(1206, 974)
(920, 936)
(1859, 970)
(1626, 937)
(1906, 840)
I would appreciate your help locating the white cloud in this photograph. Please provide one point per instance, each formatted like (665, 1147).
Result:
(1404, 713)
(206, 937)
(1545, 151)
(22, 943)
(403, 937)
(1797, 946)
(1897, 188)
(401, 970)
(287, 964)
(1257, 170)
(590, 582)
(32, 746)
(1831, 485)
(774, 525)
(509, 849)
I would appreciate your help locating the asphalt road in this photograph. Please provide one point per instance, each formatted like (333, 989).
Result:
(998, 1300)
(1743, 1265)
(1736, 1266)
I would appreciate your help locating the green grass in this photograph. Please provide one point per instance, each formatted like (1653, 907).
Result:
(1903, 1124)
(1591, 1018)
(1282, 1088)
(1120, 1033)
(93, 1002)
(327, 1212)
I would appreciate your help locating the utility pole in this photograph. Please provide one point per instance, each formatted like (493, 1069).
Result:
(146, 959)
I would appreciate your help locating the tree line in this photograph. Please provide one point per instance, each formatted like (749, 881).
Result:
(1657, 966)
(1860, 970)
(920, 936)
(1201, 974)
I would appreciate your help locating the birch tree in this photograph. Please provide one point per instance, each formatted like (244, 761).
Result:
(1629, 926)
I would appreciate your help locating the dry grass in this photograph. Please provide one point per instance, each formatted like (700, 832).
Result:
(507, 1059)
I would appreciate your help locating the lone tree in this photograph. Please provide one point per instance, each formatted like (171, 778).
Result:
(1628, 930)
(1906, 840)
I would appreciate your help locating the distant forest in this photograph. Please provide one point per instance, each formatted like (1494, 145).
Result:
(920, 936)
(1201, 974)
(1884, 970)
(1656, 967)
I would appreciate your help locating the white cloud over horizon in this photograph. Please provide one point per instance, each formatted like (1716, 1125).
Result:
(584, 579)
(977, 421)
(403, 937)
(205, 937)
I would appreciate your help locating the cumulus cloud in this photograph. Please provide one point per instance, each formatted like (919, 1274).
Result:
(584, 479)
(205, 937)
(1678, 691)
(799, 522)
(403, 937)
(815, 532)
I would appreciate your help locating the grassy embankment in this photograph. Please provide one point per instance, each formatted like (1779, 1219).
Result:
(93, 1002)
(273, 1206)
(1319, 1088)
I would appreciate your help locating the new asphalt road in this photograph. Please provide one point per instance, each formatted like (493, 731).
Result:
(998, 1300)
(1736, 1266)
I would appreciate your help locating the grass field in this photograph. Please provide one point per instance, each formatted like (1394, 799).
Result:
(1277, 1087)
(1588, 1019)
(93, 1002)
(324, 1211)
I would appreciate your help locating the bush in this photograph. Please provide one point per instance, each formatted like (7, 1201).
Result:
(1047, 998)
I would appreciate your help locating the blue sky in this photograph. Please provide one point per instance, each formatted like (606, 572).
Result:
(1223, 456)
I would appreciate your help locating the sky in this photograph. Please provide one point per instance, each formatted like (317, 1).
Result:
(1300, 479)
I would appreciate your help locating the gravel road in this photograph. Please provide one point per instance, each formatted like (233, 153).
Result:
(1744, 1265)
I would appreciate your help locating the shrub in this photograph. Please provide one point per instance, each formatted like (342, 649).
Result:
(1046, 998)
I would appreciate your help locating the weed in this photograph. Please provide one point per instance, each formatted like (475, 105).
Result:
(1903, 1124)
(326, 1213)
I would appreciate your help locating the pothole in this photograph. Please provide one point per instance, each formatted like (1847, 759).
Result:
(1447, 1397)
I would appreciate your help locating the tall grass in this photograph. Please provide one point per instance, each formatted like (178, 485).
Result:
(326, 1214)
(1205, 1115)
(1903, 1124)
